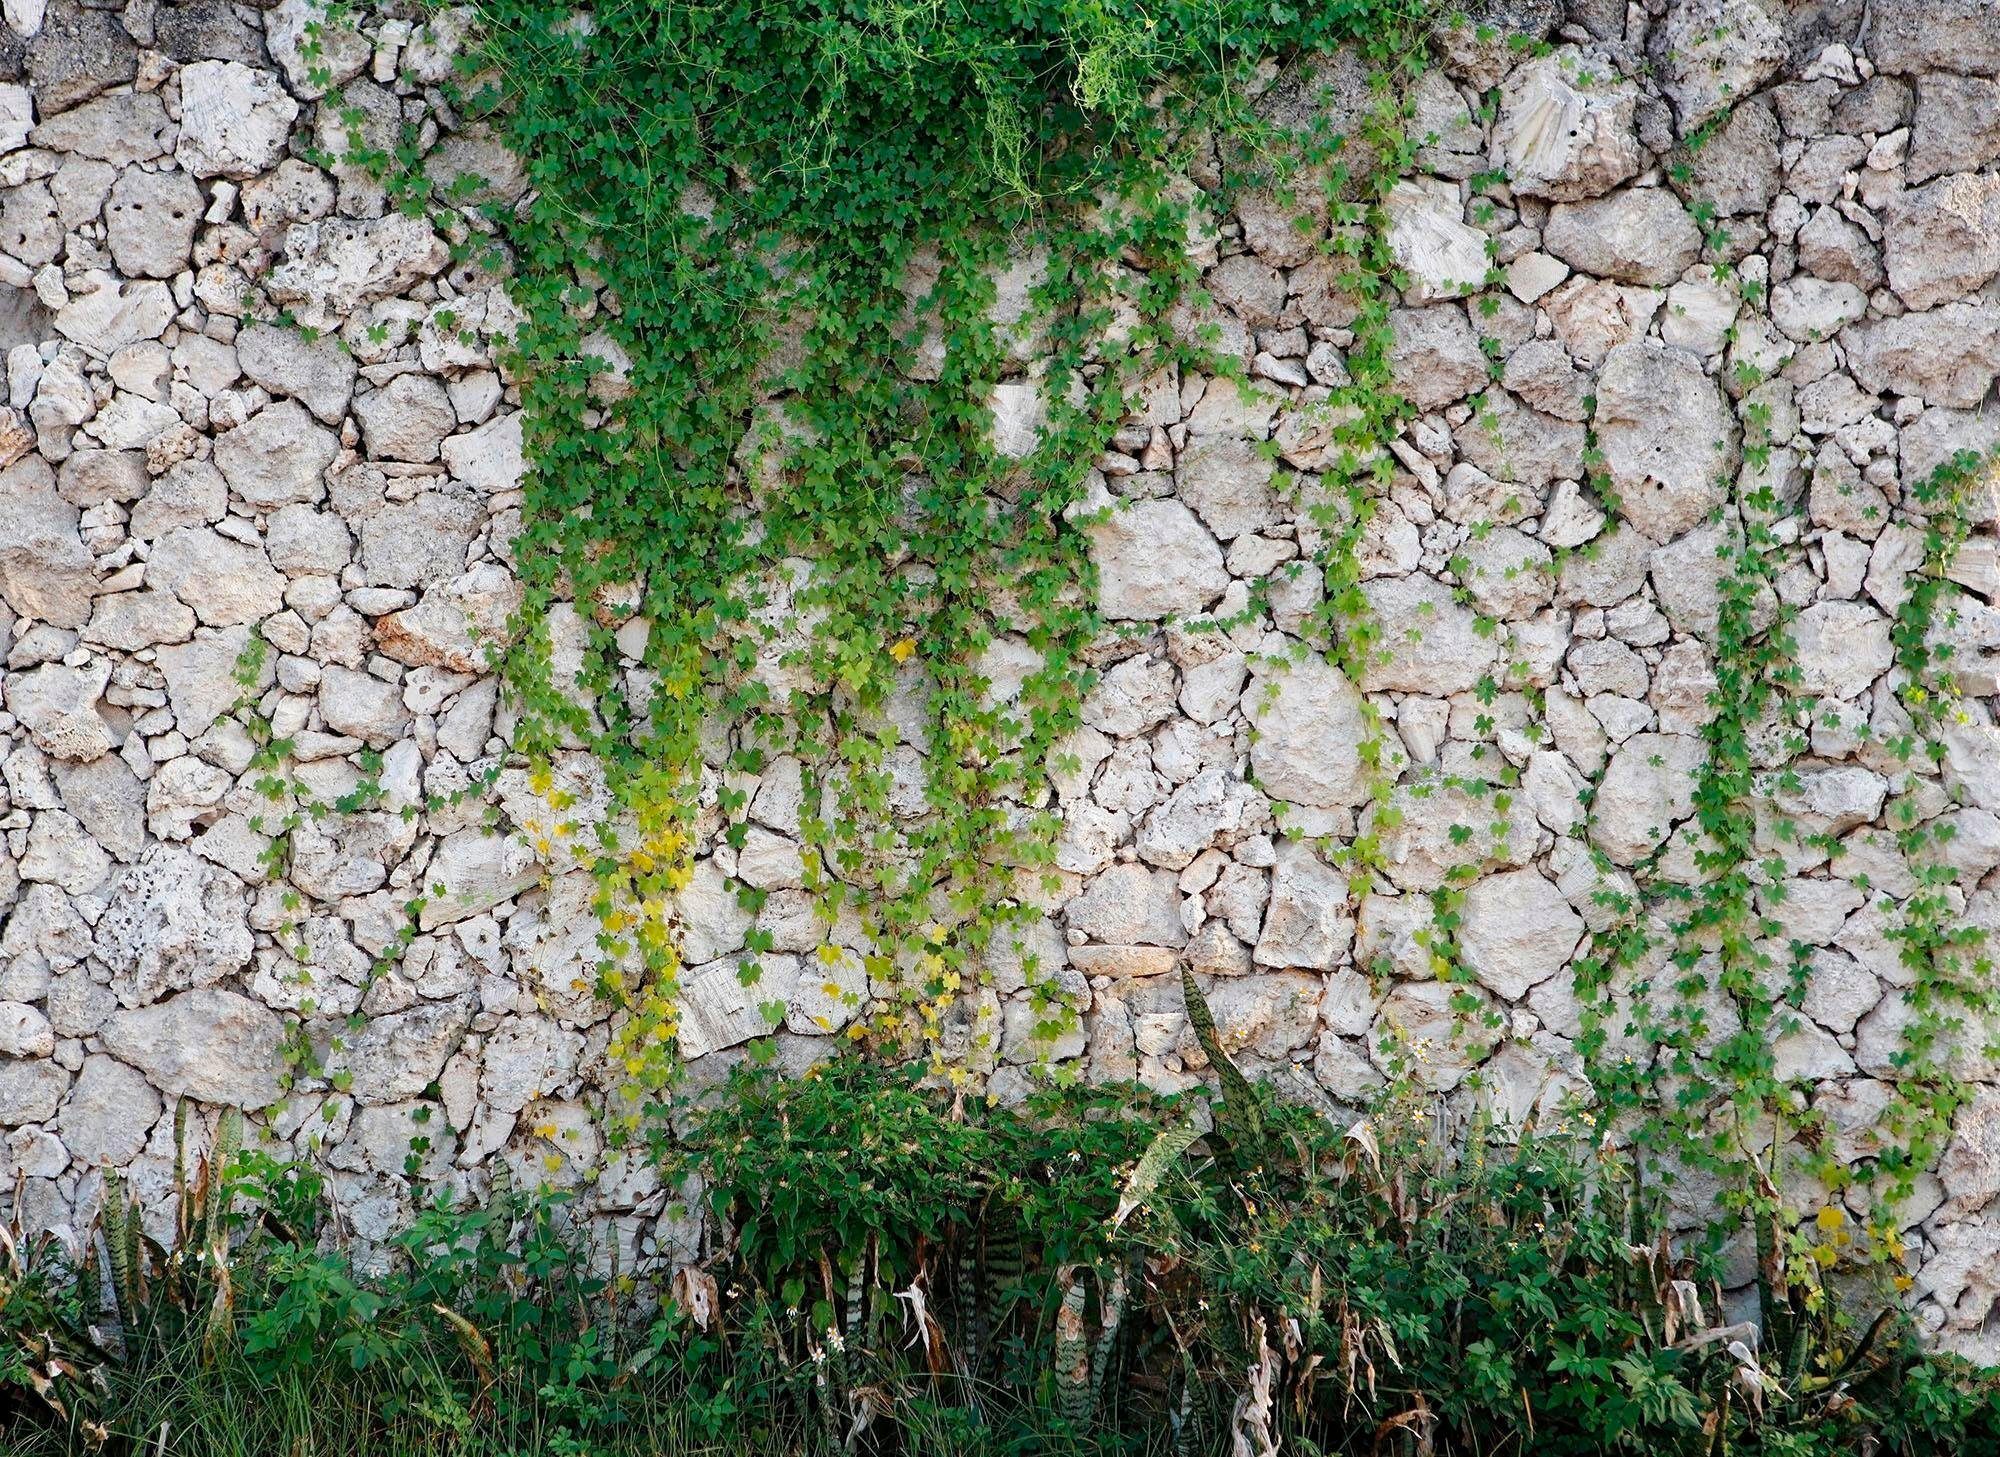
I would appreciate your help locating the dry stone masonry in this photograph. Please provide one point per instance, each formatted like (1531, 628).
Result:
(204, 505)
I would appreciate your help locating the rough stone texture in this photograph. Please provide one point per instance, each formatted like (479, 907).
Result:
(1306, 718)
(1568, 127)
(171, 922)
(1712, 53)
(208, 1044)
(1668, 437)
(1521, 721)
(1156, 560)
(1942, 241)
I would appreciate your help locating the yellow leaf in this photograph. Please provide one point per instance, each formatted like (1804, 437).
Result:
(903, 649)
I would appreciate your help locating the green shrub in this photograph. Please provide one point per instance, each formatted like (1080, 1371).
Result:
(895, 1269)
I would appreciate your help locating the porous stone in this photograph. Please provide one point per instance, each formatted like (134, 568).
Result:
(150, 222)
(1636, 235)
(1154, 560)
(58, 706)
(1711, 53)
(234, 120)
(172, 921)
(277, 457)
(1568, 126)
(1668, 437)
(211, 1045)
(77, 53)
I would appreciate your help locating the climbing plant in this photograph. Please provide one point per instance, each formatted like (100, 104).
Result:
(761, 346)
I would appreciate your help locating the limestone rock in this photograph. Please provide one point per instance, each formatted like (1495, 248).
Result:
(1436, 351)
(1228, 483)
(1636, 235)
(1480, 43)
(1430, 643)
(45, 573)
(723, 1004)
(57, 705)
(1309, 730)
(1308, 923)
(1668, 437)
(1711, 53)
(1736, 171)
(150, 222)
(1444, 255)
(201, 677)
(524, 1059)
(1970, 1168)
(225, 581)
(107, 800)
(1567, 127)
(1130, 905)
(25, 1032)
(456, 625)
(172, 922)
(1943, 241)
(1648, 788)
(30, 1090)
(398, 1055)
(1517, 931)
(208, 1044)
(1948, 355)
(712, 919)
(317, 51)
(1956, 127)
(1269, 1016)
(421, 543)
(234, 121)
(317, 372)
(361, 705)
(1210, 807)
(76, 54)
(1833, 247)
(278, 456)
(1420, 1033)
(472, 872)
(1155, 560)
(1510, 442)
(1909, 37)
(1020, 414)
(1841, 648)
(407, 419)
(488, 459)
(108, 1113)
(104, 315)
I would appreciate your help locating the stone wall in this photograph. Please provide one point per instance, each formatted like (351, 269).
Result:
(181, 468)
